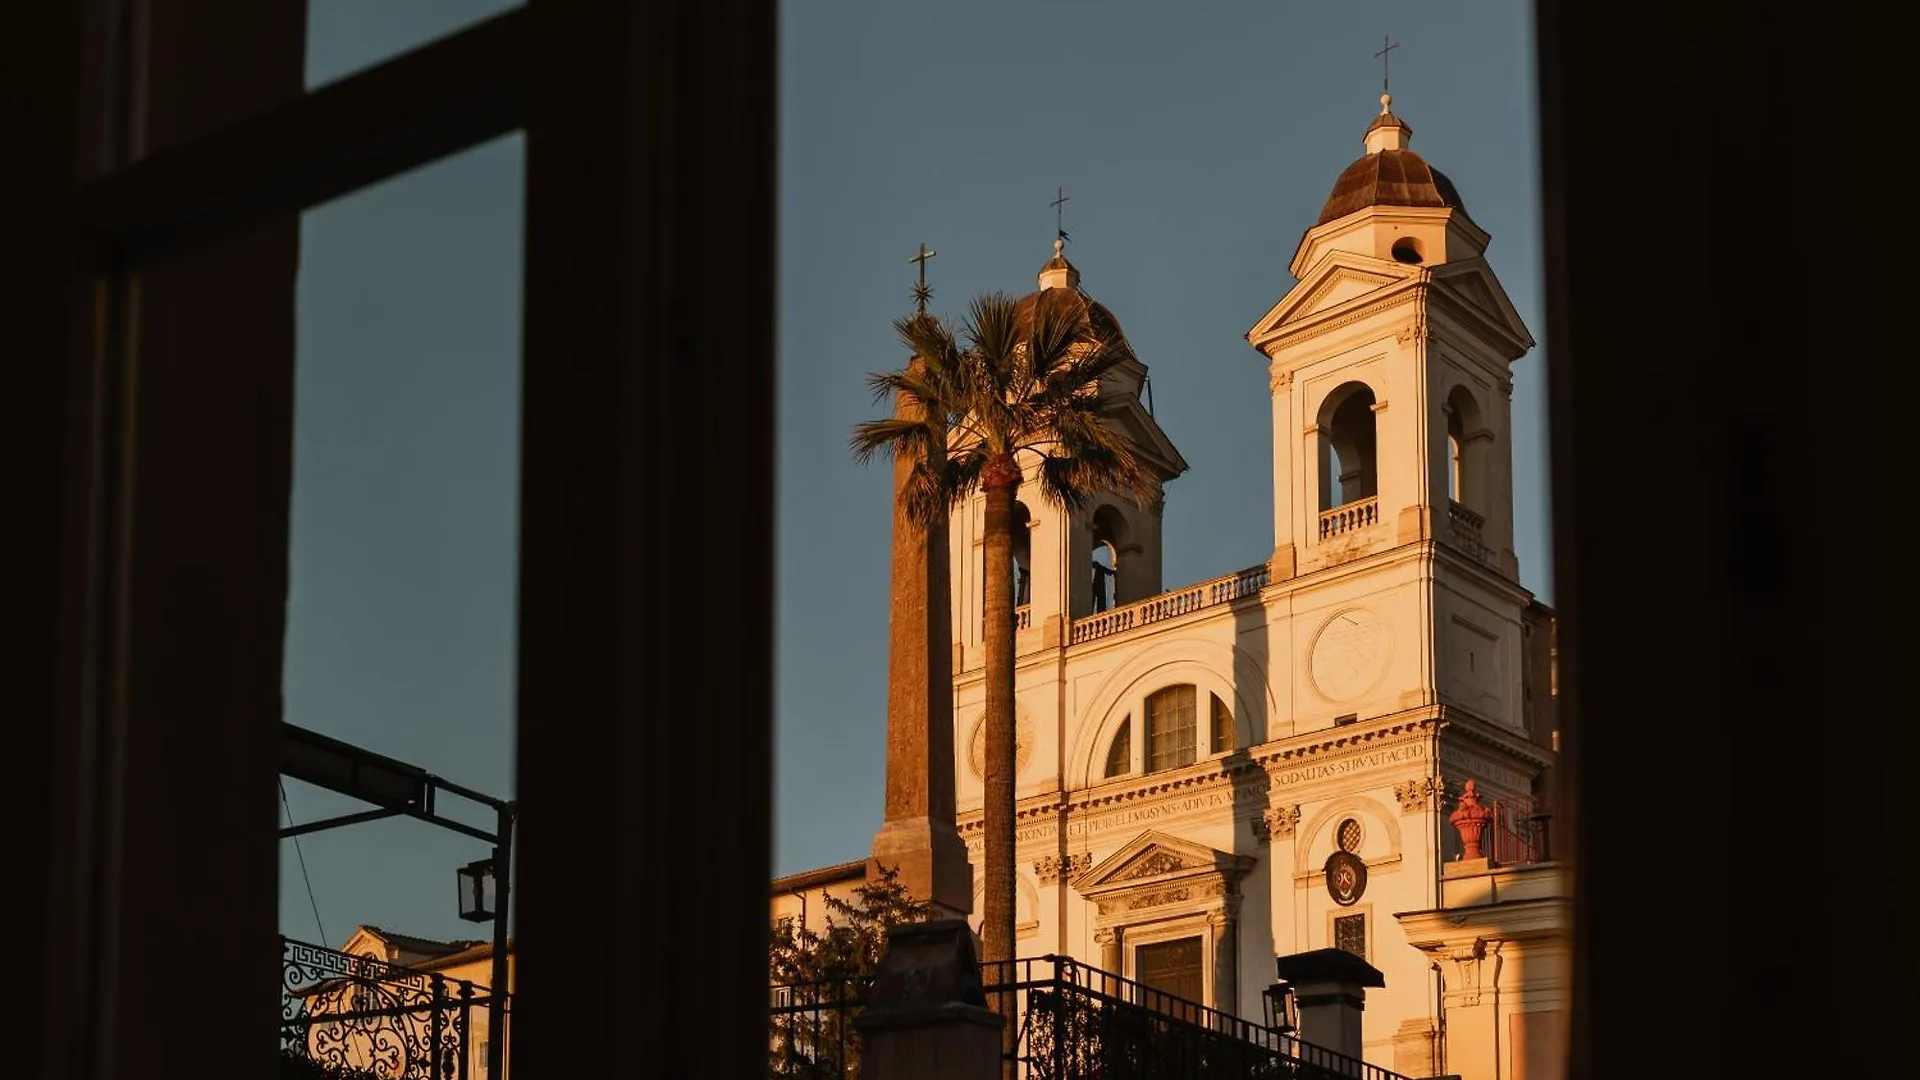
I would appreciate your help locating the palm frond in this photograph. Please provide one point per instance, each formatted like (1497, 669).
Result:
(924, 497)
(925, 337)
(1027, 383)
(1057, 332)
(894, 437)
(1086, 367)
(1074, 481)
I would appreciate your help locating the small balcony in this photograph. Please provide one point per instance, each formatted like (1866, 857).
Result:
(1463, 531)
(1167, 605)
(1350, 517)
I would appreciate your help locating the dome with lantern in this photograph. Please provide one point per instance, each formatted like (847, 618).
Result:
(1389, 174)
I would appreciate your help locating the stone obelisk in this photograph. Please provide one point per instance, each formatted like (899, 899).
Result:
(918, 837)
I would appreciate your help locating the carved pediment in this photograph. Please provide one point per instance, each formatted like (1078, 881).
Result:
(1338, 287)
(1151, 864)
(1339, 280)
(1472, 284)
(1149, 440)
(1154, 860)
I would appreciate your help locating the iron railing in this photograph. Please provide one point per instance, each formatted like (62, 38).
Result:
(1517, 832)
(1080, 1023)
(1075, 1022)
(355, 1012)
(811, 1028)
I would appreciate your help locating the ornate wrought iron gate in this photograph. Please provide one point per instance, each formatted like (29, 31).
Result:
(355, 1012)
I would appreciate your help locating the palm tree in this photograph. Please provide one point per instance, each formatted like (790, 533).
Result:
(1020, 401)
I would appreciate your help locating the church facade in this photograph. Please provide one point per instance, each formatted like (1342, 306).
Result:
(1265, 763)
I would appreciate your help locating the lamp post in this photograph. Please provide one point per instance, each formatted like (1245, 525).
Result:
(484, 893)
(395, 788)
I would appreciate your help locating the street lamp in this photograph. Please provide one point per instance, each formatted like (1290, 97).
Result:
(483, 898)
(478, 891)
(1279, 998)
(395, 788)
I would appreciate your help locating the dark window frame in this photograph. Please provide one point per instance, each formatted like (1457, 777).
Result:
(1120, 751)
(1162, 708)
(639, 119)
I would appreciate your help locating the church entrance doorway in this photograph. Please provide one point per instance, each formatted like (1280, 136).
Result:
(1175, 969)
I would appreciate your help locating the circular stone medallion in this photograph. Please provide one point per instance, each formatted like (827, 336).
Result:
(1022, 745)
(1349, 654)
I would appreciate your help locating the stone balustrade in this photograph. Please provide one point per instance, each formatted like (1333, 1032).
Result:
(1167, 605)
(1350, 517)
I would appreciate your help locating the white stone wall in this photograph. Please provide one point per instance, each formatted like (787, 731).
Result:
(1377, 667)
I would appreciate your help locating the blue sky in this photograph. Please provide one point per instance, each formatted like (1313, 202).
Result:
(1197, 141)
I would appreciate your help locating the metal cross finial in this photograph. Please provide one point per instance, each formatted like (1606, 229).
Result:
(1386, 63)
(1061, 198)
(921, 294)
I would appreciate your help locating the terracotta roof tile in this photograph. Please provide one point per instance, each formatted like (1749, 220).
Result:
(423, 946)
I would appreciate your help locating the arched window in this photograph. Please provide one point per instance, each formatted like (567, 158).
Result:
(1222, 725)
(1347, 441)
(1453, 459)
(1109, 532)
(1105, 571)
(1466, 449)
(1022, 555)
(1120, 753)
(1020, 567)
(1170, 729)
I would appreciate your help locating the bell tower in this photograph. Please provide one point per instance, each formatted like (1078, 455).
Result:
(1389, 365)
(1055, 579)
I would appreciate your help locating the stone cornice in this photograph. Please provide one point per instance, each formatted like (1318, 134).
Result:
(1256, 766)
(1372, 560)
(1049, 805)
(1337, 275)
(1451, 216)
(1406, 726)
(1451, 929)
(1430, 293)
(1479, 322)
(1458, 722)
(1399, 294)
(1430, 549)
(1460, 560)
(1474, 281)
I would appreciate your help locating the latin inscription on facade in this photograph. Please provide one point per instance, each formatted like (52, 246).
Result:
(1376, 759)
(1249, 795)
(1452, 759)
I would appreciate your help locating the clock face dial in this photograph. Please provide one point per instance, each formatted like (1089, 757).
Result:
(1349, 654)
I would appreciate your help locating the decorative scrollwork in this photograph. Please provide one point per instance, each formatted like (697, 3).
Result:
(1054, 868)
(1276, 824)
(1417, 795)
(360, 1013)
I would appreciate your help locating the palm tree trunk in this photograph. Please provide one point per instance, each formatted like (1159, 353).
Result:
(999, 482)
